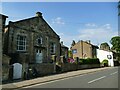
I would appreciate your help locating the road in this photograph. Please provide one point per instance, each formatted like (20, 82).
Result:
(100, 79)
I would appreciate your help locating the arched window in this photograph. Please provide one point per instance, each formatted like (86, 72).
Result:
(39, 40)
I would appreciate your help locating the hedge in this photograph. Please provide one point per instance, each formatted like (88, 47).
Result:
(89, 61)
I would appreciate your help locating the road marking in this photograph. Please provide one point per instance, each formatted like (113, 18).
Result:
(114, 73)
(60, 80)
(96, 79)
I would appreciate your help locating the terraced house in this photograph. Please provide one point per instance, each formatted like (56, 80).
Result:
(84, 49)
(31, 41)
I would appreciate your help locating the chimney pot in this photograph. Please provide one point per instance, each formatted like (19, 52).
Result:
(38, 14)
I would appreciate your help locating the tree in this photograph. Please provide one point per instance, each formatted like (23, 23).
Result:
(70, 55)
(115, 41)
(104, 46)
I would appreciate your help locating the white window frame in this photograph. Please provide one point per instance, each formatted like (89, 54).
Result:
(23, 41)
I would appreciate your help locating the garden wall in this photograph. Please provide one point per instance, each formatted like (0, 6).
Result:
(68, 67)
(71, 67)
(44, 68)
(87, 66)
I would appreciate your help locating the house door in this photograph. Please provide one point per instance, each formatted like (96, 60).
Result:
(17, 71)
(39, 56)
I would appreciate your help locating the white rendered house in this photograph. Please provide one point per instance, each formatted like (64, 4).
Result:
(102, 54)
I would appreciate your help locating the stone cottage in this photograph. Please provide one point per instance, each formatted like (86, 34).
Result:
(84, 49)
(31, 41)
(64, 52)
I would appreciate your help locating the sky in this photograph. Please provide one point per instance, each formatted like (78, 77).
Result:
(95, 21)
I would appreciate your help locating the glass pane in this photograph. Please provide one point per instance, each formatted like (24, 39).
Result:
(21, 43)
(17, 42)
(39, 41)
(21, 48)
(21, 37)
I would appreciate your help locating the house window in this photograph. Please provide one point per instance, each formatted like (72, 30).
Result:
(74, 51)
(39, 40)
(21, 43)
(52, 48)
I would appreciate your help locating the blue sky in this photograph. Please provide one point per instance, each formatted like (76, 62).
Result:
(95, 21)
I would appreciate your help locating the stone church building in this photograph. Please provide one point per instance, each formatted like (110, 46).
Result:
(31, 41)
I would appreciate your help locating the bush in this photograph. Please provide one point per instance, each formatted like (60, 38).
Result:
(89, 61)
(105, 62)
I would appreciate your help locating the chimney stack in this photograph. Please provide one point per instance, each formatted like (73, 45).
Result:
(61, 42)
(38, 14)
(88, 41)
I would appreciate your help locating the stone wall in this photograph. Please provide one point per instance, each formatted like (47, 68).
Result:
(44, 68)
(5, 72)
(5, 67)
(72, 67)
(88, 66)
(68, 67)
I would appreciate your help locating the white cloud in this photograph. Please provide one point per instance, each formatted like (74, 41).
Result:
(107, 26)
(97, 35)
(58, 20)
(91, 25)
(67, 39)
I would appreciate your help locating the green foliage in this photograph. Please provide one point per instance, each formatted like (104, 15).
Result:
(105, 62)
(115, 41)
(105, 46)
(89, 61)
(70, 54)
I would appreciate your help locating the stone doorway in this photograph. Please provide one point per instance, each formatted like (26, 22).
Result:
(39, 56)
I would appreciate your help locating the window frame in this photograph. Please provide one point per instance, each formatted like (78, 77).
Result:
(41, 40)
(23, 41)
(52, 48)
(74, 51)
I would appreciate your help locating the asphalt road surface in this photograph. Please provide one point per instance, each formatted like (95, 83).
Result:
(100, 79)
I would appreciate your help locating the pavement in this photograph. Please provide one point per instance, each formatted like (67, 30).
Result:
(101, 79)
(22, 84)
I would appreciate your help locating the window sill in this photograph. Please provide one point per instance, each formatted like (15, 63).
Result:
(21, 51)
